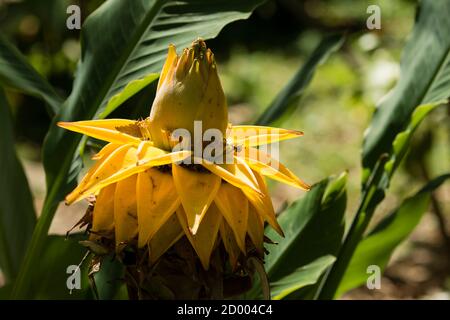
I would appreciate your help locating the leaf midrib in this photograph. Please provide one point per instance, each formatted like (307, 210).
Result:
(444, 62)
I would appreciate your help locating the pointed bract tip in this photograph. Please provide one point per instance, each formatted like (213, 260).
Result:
(63, 124)
(296, 132)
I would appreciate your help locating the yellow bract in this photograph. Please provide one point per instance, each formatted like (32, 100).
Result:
(189, 90)
(147, 197)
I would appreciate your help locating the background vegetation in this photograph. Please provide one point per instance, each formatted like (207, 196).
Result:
(257, 58)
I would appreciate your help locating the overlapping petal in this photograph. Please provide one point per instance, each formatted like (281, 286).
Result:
(204, 239)
(233, 205)
(102, 156)
(267, 166)
(165, 237)
(262, 202)
(229, 243)
(103, 130)
(110, 165)
(125, 211)
(103, 215)
(232, 174)
(256, 229)
(252, 136)
(123, 163)
(157, 200)
(196, 190)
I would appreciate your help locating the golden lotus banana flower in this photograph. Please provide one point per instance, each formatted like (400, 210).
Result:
(150, 193)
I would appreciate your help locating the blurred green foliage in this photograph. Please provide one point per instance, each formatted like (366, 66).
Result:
(257, 57)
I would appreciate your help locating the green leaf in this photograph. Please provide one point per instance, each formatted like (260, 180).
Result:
(49, 277)
(319, 212)
(401, 142)
(121, 41)
(110, 278)
(17, 73)
(378, 246)
(424, 79)
(313, 228)
(136, 107)
(128, 91)
(373, 193)
(301, 277)
(287, 99)
(17, 216)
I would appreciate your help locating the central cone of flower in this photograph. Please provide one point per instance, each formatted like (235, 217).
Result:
(145, 196)
(189, 90)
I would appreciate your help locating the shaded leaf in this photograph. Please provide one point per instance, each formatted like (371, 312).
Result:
(17, 73)
(424, 79)
(49, 277)
(313, 227)
(109, 279)
(17, 216)
(372, 195)
(293, 91)
(5, 291)
(378, 246)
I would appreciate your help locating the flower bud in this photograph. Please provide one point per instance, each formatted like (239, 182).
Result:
(189, 90)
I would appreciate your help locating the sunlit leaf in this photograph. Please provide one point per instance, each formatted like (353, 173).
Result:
(377, 248)
(372, 196)
(301, 277)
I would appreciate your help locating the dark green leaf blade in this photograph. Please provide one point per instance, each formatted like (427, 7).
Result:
(17, 73)
(17, 216)
(301, 277)
(110, 278)
(50, 278)
(293, 91)
(319, 212)
(425, 78)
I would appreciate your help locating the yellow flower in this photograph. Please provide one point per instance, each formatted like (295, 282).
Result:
(150, 194)
(189, 90)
